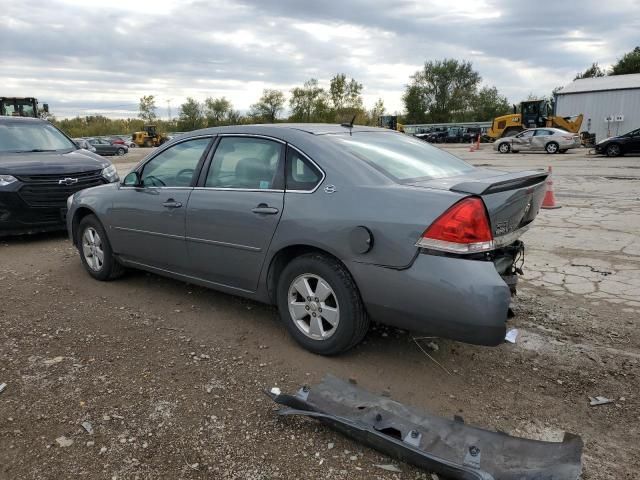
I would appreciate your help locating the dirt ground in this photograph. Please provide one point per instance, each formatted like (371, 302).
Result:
(170, 376)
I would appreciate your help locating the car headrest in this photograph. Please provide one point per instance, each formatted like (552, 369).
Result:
(252, 172)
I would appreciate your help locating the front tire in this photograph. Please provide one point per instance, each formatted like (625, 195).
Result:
(95, 250)
(552, 147)
(320, 305)
(120, 152)
(504, 147)
(614, 150)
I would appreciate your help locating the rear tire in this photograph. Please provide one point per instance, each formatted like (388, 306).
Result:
(552, 147)
(95, 250)
(121, 152)
(311, 283)
(614, 150)
(504, 147)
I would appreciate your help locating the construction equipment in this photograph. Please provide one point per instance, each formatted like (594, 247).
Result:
(533, 113)
(149, 137)
(21, 107)
(390, 122)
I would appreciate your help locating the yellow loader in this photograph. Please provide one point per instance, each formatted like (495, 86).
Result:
(149, 137)
(534, 113)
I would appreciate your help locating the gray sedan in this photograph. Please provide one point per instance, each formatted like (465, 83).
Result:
(336, 225)
(550, 140)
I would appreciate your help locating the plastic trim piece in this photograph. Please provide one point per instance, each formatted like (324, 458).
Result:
(447, 447)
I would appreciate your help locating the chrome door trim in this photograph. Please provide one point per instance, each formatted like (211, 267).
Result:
(224, 189)
(225, 244)
(146, 232)
(255, 135)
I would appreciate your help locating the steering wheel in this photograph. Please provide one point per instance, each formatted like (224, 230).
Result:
(155, 181)
(185, 171)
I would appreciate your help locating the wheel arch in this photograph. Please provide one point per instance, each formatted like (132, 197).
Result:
(78, 215)
(284, 256)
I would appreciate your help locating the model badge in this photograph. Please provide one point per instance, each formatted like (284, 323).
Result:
(67, 181)
(330, 189)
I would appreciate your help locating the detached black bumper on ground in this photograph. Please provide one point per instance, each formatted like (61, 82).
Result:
(447, 447)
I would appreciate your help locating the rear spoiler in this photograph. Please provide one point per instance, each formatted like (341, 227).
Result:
(501, 183)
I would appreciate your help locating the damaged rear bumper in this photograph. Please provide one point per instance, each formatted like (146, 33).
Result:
(447, 447)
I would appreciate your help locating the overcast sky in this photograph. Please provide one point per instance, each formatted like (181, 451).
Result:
(87, 56)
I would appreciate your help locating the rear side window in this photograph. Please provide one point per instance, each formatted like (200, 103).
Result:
(246, 163)
(301, 173)
(401, 157)
(543, 133)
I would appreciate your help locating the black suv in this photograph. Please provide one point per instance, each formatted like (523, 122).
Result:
(40, 167)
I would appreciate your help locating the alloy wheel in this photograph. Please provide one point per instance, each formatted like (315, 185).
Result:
(92, 249)
(504, 147)
(313, 306)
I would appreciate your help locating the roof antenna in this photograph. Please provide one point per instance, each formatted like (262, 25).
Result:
(349, 125)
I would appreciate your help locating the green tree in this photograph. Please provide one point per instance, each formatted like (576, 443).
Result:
(309, 103)
(191, 116)
(488, 104)
(269, 106)
(442, 89)
(375, 112)
(629, 63)
(147, 109)
(593, 71)
(345, 96)
(217, 111)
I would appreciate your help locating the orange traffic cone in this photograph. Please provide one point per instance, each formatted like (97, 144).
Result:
(549, 201)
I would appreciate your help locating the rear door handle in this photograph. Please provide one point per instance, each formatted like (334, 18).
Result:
(171, 203)
(265, 209)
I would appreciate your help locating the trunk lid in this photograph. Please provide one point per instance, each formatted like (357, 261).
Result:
(512, 199)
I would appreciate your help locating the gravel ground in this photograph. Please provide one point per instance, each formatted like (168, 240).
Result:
(170, 376)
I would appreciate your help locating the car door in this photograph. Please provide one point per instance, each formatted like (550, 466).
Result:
(633, 144)
(540, 138)
(233, 213)
(522, 141)
(147, 222)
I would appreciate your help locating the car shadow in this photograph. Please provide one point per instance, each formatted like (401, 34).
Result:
(33, 238)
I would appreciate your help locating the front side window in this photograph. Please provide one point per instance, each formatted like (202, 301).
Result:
(32, 137)
(246, 163)
(542, 133)
(527, 134)
(401, 157)
(175, 166)
(301, 173)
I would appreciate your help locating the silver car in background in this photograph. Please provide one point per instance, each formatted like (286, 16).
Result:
(336, 225)
(550, 140)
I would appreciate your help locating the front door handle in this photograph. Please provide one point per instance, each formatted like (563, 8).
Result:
(171, 203)
(265, 209)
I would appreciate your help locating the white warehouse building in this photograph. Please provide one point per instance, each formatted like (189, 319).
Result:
(611, 105)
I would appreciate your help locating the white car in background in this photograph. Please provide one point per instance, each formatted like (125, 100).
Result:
(550, 140)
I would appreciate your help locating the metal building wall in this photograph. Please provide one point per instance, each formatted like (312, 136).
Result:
(599, 105)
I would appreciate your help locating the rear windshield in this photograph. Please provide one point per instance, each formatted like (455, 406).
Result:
(32, 136)
(402, 157)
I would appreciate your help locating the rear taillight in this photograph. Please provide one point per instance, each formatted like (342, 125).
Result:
(464, 228)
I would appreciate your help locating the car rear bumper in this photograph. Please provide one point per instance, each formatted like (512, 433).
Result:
(449, 297)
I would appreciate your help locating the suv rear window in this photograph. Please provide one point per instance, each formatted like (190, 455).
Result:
(401, 157)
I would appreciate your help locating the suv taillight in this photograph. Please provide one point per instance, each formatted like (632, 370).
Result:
(463, 228)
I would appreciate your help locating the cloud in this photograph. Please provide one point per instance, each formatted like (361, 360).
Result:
(85, 57)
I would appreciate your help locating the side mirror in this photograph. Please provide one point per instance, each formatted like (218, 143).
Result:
(132, 179)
